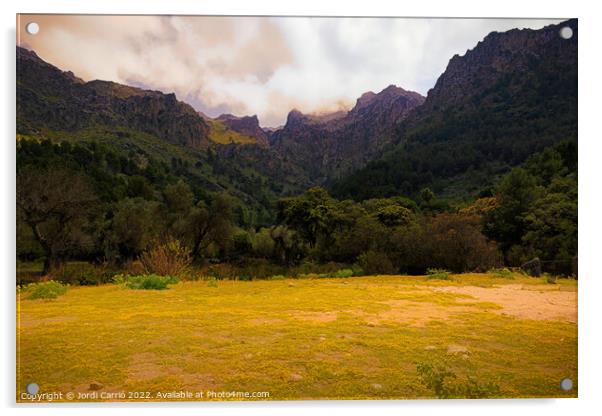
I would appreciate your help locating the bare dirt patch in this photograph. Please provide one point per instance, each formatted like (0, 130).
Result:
(319, 317)
(414, 313)
(267, 321)
(523, 301)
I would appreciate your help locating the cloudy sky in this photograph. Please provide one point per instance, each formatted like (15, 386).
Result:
(259, 65)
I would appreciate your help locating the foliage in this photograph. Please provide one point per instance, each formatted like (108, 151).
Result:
(59, 207)
(437, 274)
(549, 278)
(375, 262)
(502, 273)
(536, 210)
(146, 282)
(344, 273)
(437, 376)
(170, 258)
(45, 290)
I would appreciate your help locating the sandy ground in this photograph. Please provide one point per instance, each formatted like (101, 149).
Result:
(524, 301)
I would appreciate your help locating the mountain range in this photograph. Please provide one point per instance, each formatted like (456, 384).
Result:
(511, 96)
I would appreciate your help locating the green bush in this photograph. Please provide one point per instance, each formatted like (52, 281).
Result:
(502, 273)
(146, 281)
(437, 274)
(83, 274)
(357, 270)
(212, 281)
(375, 262)
(446, 385)
(45, 290)
(549, 278)
(344, 273)
(277, 277)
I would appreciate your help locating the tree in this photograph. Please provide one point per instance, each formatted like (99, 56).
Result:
(59, 206)
(314, 214)
(136, 223)
(515, 194)
(426, 195)
(209, 223)
(552, 226)
(178, 197)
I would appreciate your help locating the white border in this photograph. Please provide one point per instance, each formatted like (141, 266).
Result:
(590, 285)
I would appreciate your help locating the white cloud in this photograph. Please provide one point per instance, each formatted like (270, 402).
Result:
(263, 66)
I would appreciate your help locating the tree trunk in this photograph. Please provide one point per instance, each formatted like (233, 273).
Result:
(51, 263)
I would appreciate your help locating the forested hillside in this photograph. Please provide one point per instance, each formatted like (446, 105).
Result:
(510, 97)
(481, 174)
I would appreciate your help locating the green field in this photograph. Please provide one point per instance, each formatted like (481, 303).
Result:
(354, 338)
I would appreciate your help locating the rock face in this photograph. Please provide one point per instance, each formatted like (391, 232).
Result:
(517, 51)
(50, 98)
(247, 125)
(511, 96)
(330, 145)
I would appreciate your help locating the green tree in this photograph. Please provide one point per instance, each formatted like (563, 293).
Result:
(208, 224)
(515, 195)
(135, 224)
(59, 206)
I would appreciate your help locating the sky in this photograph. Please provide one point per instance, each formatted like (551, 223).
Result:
(259, 65)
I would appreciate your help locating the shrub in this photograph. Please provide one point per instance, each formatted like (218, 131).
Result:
(45, 290)
(146, 282)
(375, 262)
(134, 268)
(277, 277)
(446, 385)
(438, 274)
(166, 259)
(502, 273)
(82, 273)
(549, 278)
(344, 273)
(212, 281)
(357, 270)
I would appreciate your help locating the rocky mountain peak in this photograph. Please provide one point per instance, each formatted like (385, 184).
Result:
(247, 125)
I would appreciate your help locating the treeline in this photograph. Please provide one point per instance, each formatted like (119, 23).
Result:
(88, 202)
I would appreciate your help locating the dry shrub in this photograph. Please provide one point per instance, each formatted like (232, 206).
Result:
(135, 268)
(169, 258)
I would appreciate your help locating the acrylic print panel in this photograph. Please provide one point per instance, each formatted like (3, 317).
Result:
(294, 208)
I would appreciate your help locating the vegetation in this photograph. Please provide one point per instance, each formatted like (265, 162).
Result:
(100, 208)
(355, 338)
(44, 290)
(437, 274)
(443, 382)
(146, 282)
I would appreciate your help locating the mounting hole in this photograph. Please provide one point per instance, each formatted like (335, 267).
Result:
(566, 32)
(32, 388)
(566, 384)
(32, 28)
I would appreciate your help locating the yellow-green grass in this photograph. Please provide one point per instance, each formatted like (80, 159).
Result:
(355, 338)
(222, 134)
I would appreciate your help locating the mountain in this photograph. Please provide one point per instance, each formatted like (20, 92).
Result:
(246, 125)
(49, 98)
(512, 95)
(151, 129)
(508, 98)
(334, 144)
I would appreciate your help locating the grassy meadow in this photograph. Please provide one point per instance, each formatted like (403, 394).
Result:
(348, 338)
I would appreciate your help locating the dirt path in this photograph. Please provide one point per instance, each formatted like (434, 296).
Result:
(524, 301)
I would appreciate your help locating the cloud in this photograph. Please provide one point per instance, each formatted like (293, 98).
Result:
(259, 65)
